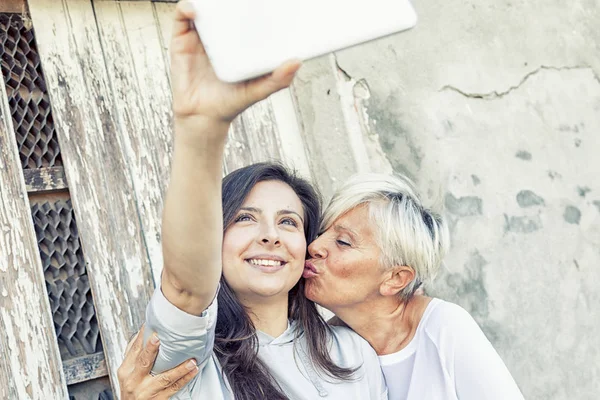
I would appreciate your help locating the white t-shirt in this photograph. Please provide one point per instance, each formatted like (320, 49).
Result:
(449, 358)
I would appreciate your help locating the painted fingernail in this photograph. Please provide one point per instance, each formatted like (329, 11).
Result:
(191, 365)
(154, 339)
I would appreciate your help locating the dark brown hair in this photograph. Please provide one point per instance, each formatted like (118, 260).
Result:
(236, 342)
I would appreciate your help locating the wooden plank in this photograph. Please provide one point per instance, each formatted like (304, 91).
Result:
(99, 178)
(163, 13)
(45, 179)
(85, 368)
(30, 365)
(253, 137)
(137, 73)
(293, 147)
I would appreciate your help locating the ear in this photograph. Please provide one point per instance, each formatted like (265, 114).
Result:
(396, 279)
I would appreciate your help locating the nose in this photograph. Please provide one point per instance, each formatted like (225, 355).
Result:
(317, 248)
(269, 235)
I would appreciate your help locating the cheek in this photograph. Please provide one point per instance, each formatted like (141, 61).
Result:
(296, 246)
(233, 246)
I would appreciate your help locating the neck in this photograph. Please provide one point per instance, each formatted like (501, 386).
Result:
(387, 323)
(269, 315)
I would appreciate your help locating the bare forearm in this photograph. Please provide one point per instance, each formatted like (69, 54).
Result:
(192, 228)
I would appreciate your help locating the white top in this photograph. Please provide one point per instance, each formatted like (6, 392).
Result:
(449, 358)
(183, 336)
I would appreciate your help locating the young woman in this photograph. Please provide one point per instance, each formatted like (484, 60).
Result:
(230, 295)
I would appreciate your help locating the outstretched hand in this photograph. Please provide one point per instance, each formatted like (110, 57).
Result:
(197, 92)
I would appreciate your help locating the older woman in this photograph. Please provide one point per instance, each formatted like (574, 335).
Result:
(379, 244)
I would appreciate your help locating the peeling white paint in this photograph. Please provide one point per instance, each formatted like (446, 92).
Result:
(30, 365)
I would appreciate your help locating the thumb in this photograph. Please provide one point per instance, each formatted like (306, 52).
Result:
(281, 78)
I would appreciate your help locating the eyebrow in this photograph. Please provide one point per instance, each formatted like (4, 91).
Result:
(280, 212)
(343, 228)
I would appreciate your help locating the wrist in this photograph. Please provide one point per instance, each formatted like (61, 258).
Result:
(196, 122)
(200, 130)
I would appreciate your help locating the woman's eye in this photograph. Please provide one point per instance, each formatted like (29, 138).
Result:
(289, 221)
(342, 243)
(243, 217)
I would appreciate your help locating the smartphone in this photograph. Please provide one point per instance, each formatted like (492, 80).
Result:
(245, 39)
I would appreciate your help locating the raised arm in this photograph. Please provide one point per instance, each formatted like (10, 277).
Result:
(203, 108)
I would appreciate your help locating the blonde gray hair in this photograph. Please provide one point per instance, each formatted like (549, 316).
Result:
(407, 233)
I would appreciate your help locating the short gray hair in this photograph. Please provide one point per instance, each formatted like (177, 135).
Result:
(406, 232)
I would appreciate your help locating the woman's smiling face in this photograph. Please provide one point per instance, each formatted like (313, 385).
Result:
(264, 247)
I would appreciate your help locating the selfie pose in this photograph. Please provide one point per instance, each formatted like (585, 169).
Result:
(231, 297)
(236, 292)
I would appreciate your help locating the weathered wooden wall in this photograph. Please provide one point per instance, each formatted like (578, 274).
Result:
(30, 365)
(106, 68)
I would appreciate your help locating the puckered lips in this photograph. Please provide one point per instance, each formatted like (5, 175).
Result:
(310, 271)
(266, 262)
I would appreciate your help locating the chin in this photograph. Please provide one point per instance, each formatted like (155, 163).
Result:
(270, 289)
(310, 291)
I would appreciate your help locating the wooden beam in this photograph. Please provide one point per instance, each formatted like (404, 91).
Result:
(85, 368)
(45, 179)
(97, 168)
(30, 364)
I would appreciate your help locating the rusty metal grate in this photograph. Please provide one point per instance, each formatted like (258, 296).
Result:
(66, 279)
(27, 95)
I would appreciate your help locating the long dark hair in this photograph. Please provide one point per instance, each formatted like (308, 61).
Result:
(236, 342)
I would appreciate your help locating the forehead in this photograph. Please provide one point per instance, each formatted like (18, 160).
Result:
(273, 195)
(356, 222)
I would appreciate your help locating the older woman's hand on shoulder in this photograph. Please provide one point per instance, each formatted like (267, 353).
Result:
(135, 380)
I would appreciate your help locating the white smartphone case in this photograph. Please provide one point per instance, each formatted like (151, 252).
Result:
(248, 38)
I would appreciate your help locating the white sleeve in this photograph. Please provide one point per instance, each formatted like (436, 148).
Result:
(479, 371)
(182, 336)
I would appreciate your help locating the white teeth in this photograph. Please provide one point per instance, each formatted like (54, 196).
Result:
(265, 263)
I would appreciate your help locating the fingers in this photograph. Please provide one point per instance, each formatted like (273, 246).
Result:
(281, 78)
(184, 17)
(134, 347)
(145, 359)
(135, 343)
(176, 387)
(174, 379)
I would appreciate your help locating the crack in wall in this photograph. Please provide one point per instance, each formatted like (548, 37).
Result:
(498, 95)
(340, 69)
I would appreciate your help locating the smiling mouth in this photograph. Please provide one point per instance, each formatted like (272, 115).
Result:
(266, 263)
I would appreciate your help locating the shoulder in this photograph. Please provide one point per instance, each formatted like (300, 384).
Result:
(349, 342)
(350, 350)
(346, 335)
(448, 324)
(444, 315)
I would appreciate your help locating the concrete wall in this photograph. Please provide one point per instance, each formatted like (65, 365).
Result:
(493, 107)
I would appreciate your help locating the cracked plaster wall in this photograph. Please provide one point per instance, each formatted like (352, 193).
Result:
(493, 108)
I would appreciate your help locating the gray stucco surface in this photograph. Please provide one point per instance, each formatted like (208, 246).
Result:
(493, 108)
